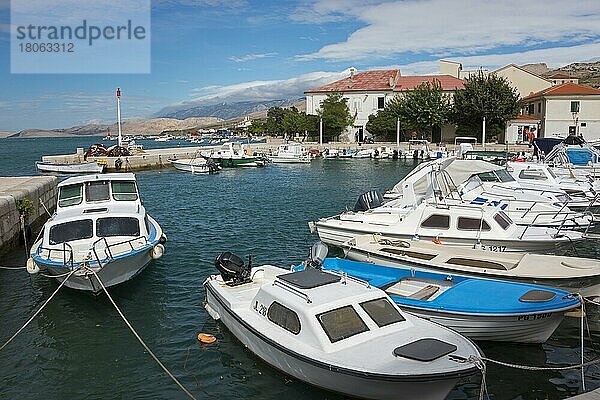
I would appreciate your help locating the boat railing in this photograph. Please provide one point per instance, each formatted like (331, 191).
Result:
(66, 249)
(592, 202)
(345, 275)
(292, 290)
(107, 247)
(562, 222)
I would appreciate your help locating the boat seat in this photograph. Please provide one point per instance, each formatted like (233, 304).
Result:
(425, 293)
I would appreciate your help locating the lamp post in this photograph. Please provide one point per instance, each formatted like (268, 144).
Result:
(398, 132)
(321, 131)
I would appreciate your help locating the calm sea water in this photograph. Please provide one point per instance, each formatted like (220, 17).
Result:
(78, 347)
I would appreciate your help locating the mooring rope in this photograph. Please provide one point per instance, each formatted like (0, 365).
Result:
(38, 311)
(140, 339)
(3, 267)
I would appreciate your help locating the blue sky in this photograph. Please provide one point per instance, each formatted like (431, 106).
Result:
(214, 50)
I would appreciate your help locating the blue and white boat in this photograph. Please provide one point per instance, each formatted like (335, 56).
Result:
(482, 309)
(100, 227)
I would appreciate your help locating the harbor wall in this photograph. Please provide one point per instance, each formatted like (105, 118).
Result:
(159, 158)
(12, 189)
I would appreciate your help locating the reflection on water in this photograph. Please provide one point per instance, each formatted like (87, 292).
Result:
(80, 348)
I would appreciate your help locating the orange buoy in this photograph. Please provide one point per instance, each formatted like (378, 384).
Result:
(206, 338)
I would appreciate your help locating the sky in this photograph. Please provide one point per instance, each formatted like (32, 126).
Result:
(211, 51)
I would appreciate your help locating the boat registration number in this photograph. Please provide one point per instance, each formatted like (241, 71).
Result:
(260, 308)
(533, 317)
(493, 247)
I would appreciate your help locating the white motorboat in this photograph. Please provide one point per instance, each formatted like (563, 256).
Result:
(100, 224)
(235, 154)
(573, 274)
(453, 181)
(364, 153)
(583, 195)
(89, 167)
(336, 333)
(572, 156)
(198, 165)
(291, 153)
(467, 225)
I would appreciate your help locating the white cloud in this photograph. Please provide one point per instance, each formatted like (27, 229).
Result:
(251, 57)
(259, 90)
(451, 28)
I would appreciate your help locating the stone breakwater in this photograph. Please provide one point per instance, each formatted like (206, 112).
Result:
(37, 189)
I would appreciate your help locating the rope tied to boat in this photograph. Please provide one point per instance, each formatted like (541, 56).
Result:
(138, 337)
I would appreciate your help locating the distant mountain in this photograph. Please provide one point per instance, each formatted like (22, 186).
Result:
(224, 110)
(587, 72)
(152, 126)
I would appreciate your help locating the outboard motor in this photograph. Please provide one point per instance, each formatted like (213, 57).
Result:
(368, 200)
(232, 269)
(318, 253)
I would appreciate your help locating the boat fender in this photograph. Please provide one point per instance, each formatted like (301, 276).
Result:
(437, 240)
(163, 239)
(157, 251)
(477, 245)
(32, 267)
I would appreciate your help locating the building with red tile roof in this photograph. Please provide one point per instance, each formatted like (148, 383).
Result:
(568, 108)
(558, 78)
(367, 92)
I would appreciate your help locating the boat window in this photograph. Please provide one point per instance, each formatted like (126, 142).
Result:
(96, 191)
(284, 317)
(69, 231)
(341, 323)
(502, 219)
(124, 190)
(439, 221)
(117, 226)
(382, 312)
(70, 195)
(534, 174)
(488, 176)
(504, 176)
(468, 262)
(472, 224)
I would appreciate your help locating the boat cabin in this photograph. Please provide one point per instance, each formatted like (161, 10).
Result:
(329, 311)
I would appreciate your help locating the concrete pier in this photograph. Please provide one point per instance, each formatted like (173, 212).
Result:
(592, 395)
(159, 158)
(12, 189)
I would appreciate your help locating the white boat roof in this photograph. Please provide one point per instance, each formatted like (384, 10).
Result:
(98, 177)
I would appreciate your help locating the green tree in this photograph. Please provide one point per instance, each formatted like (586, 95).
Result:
(421, 109)
(336, 116)
(484, 95)
(257, 127)
(293, 121)
(382, 125)
(274, 123)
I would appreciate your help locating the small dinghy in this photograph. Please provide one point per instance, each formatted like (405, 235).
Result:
(90, 167)
(196, 165)
(573, 274)
(336, 332)
(482, 309)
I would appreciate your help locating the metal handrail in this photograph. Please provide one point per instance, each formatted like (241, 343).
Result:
(64, 250)
(350, 277)
(107, 247)
(292, 290)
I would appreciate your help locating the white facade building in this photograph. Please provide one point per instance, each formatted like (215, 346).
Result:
(565, 109)
(368, 92)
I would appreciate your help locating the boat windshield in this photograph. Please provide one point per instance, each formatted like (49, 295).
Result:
(504, 176)
(382, 312)
(70, 231)
(341, 323)
(96, 191)
(124, 190)
(117, 226)
(70, 195)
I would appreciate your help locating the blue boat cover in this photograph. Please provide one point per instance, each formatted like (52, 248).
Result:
(581, 156)
(468, 295)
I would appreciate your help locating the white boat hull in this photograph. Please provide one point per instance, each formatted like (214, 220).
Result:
(290, 160)
(338, 235)
(194, 168)
(78, 168)
(329, 377)
(586, 286)
(518, 328)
